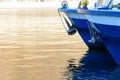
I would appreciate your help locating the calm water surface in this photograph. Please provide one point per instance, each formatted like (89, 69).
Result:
(35, 46)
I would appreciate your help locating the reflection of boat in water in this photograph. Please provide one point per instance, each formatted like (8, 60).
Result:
(106, 21)
(81, 24)
(94, 65)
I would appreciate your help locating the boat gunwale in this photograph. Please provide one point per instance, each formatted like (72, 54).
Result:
(68, 10)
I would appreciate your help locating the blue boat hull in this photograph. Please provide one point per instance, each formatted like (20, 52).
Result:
(81, 24)
(107, 23)
(83, 30)
(111, 38)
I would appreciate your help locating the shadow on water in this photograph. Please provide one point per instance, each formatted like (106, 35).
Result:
(95, 65)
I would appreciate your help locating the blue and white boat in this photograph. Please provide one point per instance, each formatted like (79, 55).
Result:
(106, 21)
(80, 23)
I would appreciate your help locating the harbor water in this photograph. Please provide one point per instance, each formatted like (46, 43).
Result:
(35, 46)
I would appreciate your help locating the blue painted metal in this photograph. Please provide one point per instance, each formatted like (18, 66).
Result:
(67, 10)
(110, 34)
(81, 23)
(82, 28)
(111, 37)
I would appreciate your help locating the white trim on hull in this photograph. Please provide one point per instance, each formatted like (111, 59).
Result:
(106, 20)
(76, 15)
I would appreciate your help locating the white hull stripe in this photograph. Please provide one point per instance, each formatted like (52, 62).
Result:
(107, 20)
(76, 16)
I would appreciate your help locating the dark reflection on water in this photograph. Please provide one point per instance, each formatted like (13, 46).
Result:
(116, 74)
(95, 65)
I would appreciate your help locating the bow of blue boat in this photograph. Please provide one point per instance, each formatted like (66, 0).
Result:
(107, 22)
(76, 16)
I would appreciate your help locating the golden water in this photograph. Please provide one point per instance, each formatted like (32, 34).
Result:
(35, 46)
